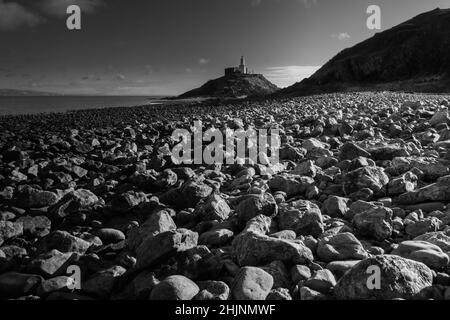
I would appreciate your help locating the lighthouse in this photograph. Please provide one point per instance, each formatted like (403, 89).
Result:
(239, 70)
(242, 66)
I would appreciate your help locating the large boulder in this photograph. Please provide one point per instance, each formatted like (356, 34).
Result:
(50, 264)
(254, 249)
(341, 246)
(399, 278)
(102, 283)
(158, 222)
(350, 151)
(335, 207)
(375, 223)
(424, 252)
(441, 116)
(255, 204)
(10, 230)
(372, 178)
(34, 198)
(440, 239)
(279, 273)
(213, 290)
(15, 285)
(439, 191)
(74, 201)
(306, 168)
(64, 242)
(163, 245)
(38, 226)
(303, 217)
(322, 281)
(126, 201)
(251, 283)
(192, 192)
(188, 195)
(213, 208)
(292, 185)
(432, 168)
(175, 287)
(417, 228)
(405, 183)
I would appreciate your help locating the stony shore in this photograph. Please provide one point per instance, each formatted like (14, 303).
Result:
(362, 189)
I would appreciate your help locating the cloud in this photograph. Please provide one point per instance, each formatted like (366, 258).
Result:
(341, 36)
(306, 3)
(203, 61)
(288, 75)
(58, 8)
(14, 15)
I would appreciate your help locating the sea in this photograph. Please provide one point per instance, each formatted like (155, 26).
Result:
(15, 105)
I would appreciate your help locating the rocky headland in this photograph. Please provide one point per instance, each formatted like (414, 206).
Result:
(233, 86)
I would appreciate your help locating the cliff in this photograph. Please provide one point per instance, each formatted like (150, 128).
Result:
(412, 56)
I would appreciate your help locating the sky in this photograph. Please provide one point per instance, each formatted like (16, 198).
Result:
(166, 47)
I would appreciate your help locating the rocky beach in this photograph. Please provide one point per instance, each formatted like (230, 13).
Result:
(361, 190)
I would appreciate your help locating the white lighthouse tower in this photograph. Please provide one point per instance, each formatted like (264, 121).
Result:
(242, 66)
(241, 69)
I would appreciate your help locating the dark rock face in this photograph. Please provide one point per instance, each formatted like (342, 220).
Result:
(411, 56)
(234, 86)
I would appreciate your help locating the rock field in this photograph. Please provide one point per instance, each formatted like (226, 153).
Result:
(363, 184)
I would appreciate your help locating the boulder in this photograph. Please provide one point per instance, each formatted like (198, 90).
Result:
(15, 285)
(253, 205)
(101, 284)
(217, 237)
(372, 178)
(213, 208)
(38, 226)
(65, 242)
(251, 283)
(163, 245)
(175, 287)
(322, 281)
(253, 249)
(399, 278)
(51, 264)
(110, 235)
(10, 230)
(303, 217)
(34, 198)
(422, 251)
(439, 191)
(335, 207)
(417, 228)
(375, 223)
(440, 239)
(213, 290)
(292, 185)
(157, 223)
(350, 151)
(341, 246)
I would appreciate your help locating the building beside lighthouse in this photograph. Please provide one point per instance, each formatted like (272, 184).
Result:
(241, 69)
